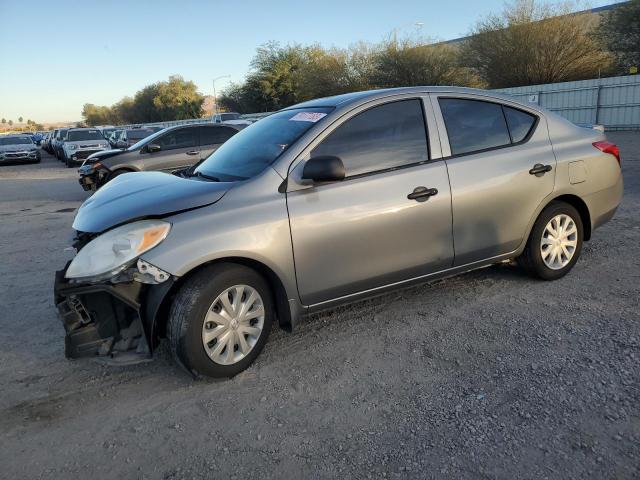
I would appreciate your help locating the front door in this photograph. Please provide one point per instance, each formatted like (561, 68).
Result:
(178, 149)
(364, 232)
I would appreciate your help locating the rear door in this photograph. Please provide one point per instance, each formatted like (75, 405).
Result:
(490, 149)
(178, 149)
(365, 232)
(212, 136)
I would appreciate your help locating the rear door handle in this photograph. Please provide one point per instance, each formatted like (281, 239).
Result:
(193, 152)
(540, 169)
(422, 194)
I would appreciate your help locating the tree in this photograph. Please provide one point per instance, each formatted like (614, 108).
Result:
(96, 114)
(620, 31)
(10, 122)
(19, 119)
(532, 43)
(408, 63)
(174, 99)
(178, 99)
(4, 120)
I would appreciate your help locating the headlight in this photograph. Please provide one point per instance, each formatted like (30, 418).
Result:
(113, 251)
(71, 147)
(104, 145)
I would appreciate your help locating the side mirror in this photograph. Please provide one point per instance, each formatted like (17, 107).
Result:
(153, 147)
(324, 168)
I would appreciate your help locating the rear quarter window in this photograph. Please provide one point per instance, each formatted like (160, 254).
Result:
(520, 123)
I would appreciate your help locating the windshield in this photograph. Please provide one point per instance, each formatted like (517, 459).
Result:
(144, 141)
(253, 149)
(15, 140)
(62, 133)
(76, 135)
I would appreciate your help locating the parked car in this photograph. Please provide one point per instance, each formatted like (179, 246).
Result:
(58, 141)
(324, 203)
(230, 118)
(112, 137)
(48, 146)
(168, 150)
(45, 139)
(18, 148)
(130, 137)
(80, 143)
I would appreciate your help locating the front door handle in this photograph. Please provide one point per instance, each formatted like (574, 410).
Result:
(422, 194)
(192, 152)
(539, 169)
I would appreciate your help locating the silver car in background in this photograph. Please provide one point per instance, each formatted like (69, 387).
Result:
(18, 148)
(324, 203)
(80, 143)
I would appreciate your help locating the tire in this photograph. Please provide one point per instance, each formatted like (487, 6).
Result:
(66, 161)
(187, 321)
(532, 257)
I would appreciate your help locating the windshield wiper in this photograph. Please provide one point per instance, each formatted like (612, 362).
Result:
(205, 176)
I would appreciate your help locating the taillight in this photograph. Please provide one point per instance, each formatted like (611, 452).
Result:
(608, 147)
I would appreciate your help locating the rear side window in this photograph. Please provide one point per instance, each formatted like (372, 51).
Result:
(388, 136)
(473, 125)
(181, 138)
(520, 123)
(215, 135)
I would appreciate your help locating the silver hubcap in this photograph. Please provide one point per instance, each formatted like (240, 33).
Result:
(233, 324)
(559, 241)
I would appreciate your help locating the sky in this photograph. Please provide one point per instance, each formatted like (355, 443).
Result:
(56, 56)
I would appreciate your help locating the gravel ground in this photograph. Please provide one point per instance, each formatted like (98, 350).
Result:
(486, 375)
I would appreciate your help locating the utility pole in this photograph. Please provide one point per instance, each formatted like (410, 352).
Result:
(215, 97)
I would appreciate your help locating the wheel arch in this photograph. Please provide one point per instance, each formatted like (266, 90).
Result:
(283, 311)
(579, 204)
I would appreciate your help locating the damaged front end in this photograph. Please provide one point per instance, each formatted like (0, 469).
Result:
(111, 314)
(114, 317)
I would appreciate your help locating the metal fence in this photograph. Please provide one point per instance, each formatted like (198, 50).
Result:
(191, 121)
(613, 102)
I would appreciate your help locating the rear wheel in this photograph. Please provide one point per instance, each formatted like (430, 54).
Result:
(220, 320)
(555, 242)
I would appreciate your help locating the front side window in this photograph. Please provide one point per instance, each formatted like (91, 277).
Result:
(215, 135)
(473, 125)
(181, 138)
(384, 137)
(253, 149)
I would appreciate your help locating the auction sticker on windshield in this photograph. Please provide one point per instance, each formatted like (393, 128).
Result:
(307, 117)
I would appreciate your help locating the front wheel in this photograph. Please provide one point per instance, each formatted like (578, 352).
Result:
(220, 320)
(555, 242)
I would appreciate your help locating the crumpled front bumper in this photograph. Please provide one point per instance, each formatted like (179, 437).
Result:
(108, 318)
(93, 180)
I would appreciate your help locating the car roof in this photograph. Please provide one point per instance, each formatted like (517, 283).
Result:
(346, 99)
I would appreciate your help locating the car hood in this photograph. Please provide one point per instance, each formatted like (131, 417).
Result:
(95, 157)
(17, 148)
(134, 196)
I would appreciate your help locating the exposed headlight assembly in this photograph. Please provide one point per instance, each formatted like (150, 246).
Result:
(113, 251)
(71, 147)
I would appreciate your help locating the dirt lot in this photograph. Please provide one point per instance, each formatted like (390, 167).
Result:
(487, 375)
